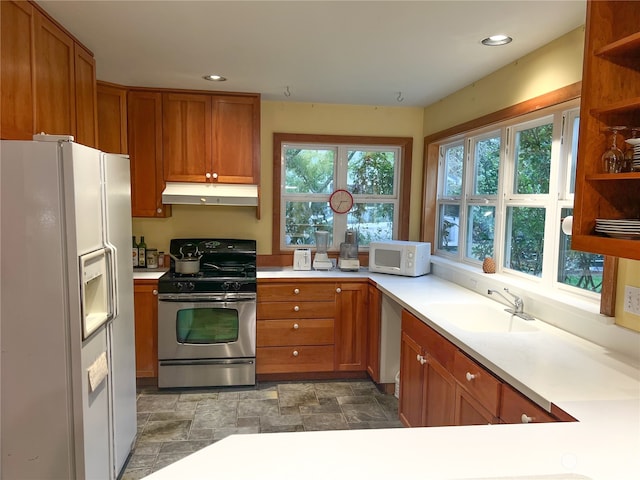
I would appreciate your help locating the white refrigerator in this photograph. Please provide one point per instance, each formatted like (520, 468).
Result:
(68, 393)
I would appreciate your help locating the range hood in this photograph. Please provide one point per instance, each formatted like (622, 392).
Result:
(182, 193)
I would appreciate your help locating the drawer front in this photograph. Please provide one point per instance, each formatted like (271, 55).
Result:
(295, 310)
(282, 292)
(516, 408)
(276, 333)
(294, 359)
(484, 387)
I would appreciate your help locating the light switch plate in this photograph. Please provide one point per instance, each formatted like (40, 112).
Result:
(632, 299)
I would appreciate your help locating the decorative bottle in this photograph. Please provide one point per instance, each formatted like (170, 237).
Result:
(135, 252)
(142, 253)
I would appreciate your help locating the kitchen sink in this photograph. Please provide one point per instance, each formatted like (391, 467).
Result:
(480, 317)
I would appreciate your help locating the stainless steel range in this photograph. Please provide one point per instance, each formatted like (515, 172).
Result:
(207, 320)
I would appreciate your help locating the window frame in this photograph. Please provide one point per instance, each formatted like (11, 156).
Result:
(405, 145)
(433, 142)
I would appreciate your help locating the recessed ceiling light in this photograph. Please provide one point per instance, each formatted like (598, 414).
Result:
(495, 40)
(215, 78)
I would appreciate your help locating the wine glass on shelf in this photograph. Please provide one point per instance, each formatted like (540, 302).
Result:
(613, 157)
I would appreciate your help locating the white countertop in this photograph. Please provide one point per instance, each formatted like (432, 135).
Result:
(596, 386)
(148, 273)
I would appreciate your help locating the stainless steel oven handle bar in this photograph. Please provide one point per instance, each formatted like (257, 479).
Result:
(207, 297)
(209, 361)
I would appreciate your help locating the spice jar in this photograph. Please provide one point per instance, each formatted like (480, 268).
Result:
(152, 258)
(160, 259)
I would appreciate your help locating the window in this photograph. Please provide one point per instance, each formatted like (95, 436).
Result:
(309, 168)
(503, 192)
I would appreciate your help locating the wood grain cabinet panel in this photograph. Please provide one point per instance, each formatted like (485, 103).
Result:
(145, 150)
(469, 411)
(298, 291)
(86, 97)
(295, 309)
(146, 327)
(54, 79)
(16, 70)
(294, 359)
(477, 381)
(186, 134)
(112, 118)
(516, 408)
(295, 332)
(373, 333)
(211, 138)
(351, 326)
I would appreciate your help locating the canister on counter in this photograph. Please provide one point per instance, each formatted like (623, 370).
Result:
(160, 259)
(152, 258)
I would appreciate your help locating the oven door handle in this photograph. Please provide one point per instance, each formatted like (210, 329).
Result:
(209, 361)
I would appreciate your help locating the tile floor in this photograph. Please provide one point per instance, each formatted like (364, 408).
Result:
(174, 423)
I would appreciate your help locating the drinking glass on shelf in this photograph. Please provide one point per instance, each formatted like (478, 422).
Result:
(629, 153)
(613, 157)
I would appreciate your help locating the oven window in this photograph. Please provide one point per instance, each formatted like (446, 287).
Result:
(207, 325)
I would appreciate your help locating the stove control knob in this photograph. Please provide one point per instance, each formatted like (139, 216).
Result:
(236, 285)
(225, 285)
(186, 286)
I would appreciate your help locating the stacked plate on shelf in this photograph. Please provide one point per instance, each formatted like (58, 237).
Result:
(628, 229)
(635, 164)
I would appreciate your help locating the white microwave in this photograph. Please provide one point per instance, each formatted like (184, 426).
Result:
(398, 257)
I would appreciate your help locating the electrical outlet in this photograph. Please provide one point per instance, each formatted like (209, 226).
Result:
(632, 299)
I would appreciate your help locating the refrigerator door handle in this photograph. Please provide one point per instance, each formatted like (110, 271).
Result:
(112, 264)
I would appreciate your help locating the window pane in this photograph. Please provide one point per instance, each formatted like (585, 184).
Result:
(525, 239)
(453, 162)
(303, 219)
(308, 170)
(574, 154)
(578, 269)
(448, 227)
(487, 163)
(533, 159)
(370, 173)
(372, 221)
(480, 231)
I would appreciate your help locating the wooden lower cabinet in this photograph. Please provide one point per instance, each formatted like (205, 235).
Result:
(311, 326)
(145, 293)
(373, 333)
(516, 408)
(440, 385)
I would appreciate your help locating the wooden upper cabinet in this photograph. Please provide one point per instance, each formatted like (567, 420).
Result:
(145, 150)
(112, 118)
(54, 79)
(211, 138)
(236, 142)
(16, 71)
(610, 97)
(186, 130)
(86, 97)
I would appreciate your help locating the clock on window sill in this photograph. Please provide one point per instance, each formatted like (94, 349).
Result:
(341, 201)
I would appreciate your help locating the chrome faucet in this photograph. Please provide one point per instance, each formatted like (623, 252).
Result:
(517, 304)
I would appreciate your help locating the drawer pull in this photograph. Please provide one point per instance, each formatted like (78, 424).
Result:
(421, 359)
(296, 291)
(295, 353)
(296, 326)
(526, 419)
(296, 308)
(470, 376)
(338, 290)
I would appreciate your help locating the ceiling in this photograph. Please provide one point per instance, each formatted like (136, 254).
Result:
(402, 53)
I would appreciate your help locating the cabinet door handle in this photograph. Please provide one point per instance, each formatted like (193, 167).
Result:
(295, 353)
(421, 359)
(338, 290)
(526, 419)
(296, 326)
(296, 308)
(155, 292)
(296, 291)
(158, 210)
(470, 376)
(215, 175)
(207, 175)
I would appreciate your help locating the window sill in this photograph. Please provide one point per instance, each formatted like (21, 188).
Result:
(558, 308)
